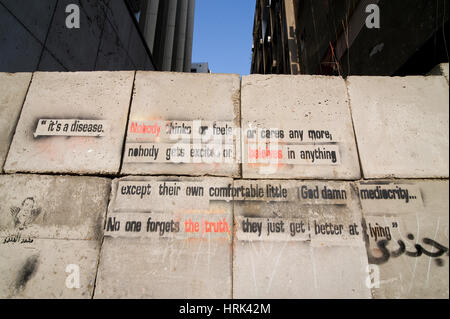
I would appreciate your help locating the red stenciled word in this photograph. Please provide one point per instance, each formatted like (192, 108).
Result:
(206, 226)
(265, 154)
(141, 128)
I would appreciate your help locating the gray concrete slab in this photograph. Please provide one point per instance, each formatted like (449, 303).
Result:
(51, 229)
(445, 71)
(401, 125)
(306, 120)
(59, 129)
(54, 207)
(407, 237)
(179, 105)
(13, 88)
(441, 69)
(167, 237)
(306, 244)
(168, 269)
(48, 268)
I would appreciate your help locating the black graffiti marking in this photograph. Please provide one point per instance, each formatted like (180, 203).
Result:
(400, 251)
(441, 249)
(386, 254)
(17, 238)
(27, 271)
(439, 262)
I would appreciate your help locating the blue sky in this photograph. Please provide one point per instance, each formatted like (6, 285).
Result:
(223, 35)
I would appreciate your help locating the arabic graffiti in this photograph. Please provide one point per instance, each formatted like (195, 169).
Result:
(386, 254)
(17, 239)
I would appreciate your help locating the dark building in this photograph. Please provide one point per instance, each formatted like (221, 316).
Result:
(331, 37)
(168, 28)
(112, 35)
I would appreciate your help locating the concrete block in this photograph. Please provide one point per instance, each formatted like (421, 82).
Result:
(72, 123)
(297, 127)
(441, 69)
(445, 71)
(50, 235)
(198, 112)
(167, 237)
(298, 239)
(54, 207)
(13, 88)
(401, 125)
(168, 269)
(48, 268)
(407, 237)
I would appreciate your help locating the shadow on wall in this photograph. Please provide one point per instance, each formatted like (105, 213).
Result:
(34, 36)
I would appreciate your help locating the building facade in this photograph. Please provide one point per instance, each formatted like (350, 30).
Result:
(168, 28)
(353, 37)
(110, 35)
(201, 67)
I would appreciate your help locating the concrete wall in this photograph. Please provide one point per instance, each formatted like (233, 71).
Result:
(34, 37)
(338, 189)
